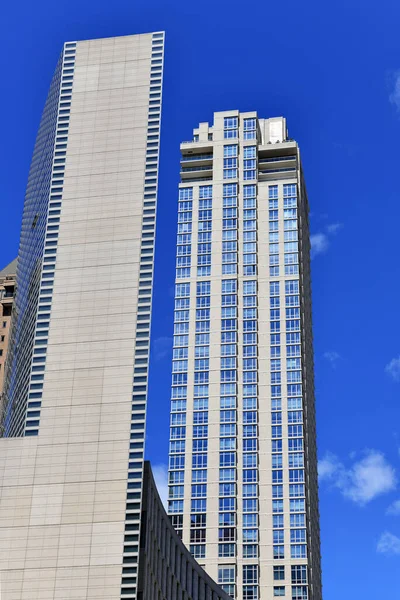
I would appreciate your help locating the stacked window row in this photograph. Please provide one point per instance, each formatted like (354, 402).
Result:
(51, 241)
(230, 170)
(184, 236)
(184, 239)
(291, 256)
(204, 231)
(178, 404)
(250, 421)
(276, 423)
(294, 419)
(227, 580)
(298, 580)
(231, 128)
(229, 228)
(298, 535)
(228, 421)
(198, 508)
(250, 230)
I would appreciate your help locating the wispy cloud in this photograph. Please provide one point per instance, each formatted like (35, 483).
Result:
(328, 466)
(320, 241)
(162, 347)
(394, 509)
(332, 357)
(319, 244)
(393, 369)
(388, 544)
(394, 96)
(160, 473)
(334, 228)
(363, 481)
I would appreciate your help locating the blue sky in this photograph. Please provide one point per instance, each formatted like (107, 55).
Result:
(333, 69)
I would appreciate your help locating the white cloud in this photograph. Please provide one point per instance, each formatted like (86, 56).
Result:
(328, 466)
(332, 357)
(319, 244)
(394, 508)
(394, 96)
(393, 369)
(160, 473)
(334, 228)
(389, 544)
(363, 481)
(162, 347)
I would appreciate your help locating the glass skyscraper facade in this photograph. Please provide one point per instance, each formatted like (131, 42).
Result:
(243, 490)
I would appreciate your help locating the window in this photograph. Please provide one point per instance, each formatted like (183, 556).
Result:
(230, 168)
(230, 127)
(299, 592)
(198, 551)
(227, 519)
(249, 163)
(175, 506)
(279, 590)
(198, 506)
(297, 536)
(250, 574)
(289, 190)
(230, 151)
(278, 552)
(4, 324)
(203, 288)
(298, 551)
(226, 574)
(250, 520)
(250, 592)
(273, 191)
(250, 129)
(226, 550)
(279, 573)
(185, 194)
(205, 191)
(250, 551)
(299, 574)
(298, 520)
(227, 534)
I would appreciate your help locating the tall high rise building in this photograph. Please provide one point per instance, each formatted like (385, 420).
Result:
(7, 295)
(243, 469)
(73, 419)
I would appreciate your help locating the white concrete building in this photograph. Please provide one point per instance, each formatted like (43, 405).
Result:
(243, 469)
(73, 410)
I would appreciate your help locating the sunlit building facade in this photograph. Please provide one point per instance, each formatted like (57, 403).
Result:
(73, 416)
(243, 490)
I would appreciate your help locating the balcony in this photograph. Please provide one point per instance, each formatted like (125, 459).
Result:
(196, 167)
(275, 159)
(196, 147)
(283, 173)
(277, 162)
(187, 158)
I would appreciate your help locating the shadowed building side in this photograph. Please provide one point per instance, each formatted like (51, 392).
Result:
(7, 300)
(167, 570)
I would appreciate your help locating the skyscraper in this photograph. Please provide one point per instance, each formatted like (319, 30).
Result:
(243, 469)
(7, 295)
(71, 466)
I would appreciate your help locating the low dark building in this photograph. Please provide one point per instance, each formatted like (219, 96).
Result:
(167, 570)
